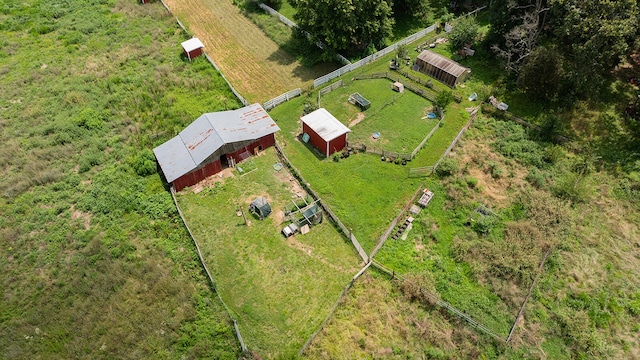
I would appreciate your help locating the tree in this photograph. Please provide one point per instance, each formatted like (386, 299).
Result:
(463, 33)
(351, 26)
(413, 8)
(443, 99)
(594, 35)
(521, 39)
(542, 76)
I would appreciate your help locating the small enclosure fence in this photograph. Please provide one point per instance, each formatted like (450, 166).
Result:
(327, 89)
(426, 93)
(393, 224)
(439, 302)
(305, 185)
(206, 269)
(270, 104)
(423, 171)
(350, 67)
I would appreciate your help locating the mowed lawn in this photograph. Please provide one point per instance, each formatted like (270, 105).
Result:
(280, 290)
(398, 117)
(255, 65)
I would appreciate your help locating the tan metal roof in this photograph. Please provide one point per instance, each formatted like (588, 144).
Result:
(441, 62)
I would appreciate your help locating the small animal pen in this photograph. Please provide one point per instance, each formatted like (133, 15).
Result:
(441, 68)
(359, 101)
(260, 207)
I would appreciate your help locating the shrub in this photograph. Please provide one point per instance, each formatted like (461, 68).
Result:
(447, 167)
(144, 163)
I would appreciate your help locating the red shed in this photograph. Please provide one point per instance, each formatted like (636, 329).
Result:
(215, 141)
(193, 48)
(325, 132)
(145, 1)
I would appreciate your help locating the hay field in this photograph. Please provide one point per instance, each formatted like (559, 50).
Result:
(252, 62)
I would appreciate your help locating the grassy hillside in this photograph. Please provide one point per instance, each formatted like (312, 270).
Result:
(95, 261)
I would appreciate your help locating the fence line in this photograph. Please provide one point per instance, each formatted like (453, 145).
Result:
(386, 234)
(333, 309)
(291, 24)
(350, 67)
(426, 138)
(237, 94)
(420, 171)
(486, 108)
(472, 116)
(305, 185)
(439, 302)
(270, 104)
(206, 269)
(524, 303)
(425, 93)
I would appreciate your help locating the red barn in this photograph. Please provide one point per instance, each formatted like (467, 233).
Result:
(193, 48)
(145, 1)
(325, 132)
(215, 141)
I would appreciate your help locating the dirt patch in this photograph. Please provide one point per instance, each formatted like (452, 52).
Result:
(212, 180)
(357, 120)
(286, 178)
(77, 214)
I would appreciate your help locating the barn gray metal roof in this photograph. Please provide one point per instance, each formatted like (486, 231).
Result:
(442, 62)
(325, 124)
(207, 134)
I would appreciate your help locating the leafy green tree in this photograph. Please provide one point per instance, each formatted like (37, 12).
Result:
(413, 8)
(464, 32)
(595, 35)
(542, 75)
(350, 26)
(443, 99)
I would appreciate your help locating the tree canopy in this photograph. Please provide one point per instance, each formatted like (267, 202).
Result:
(350, 26)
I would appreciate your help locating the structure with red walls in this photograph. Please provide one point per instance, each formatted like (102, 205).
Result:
(193, 48)
(325, 132)
(215, 141)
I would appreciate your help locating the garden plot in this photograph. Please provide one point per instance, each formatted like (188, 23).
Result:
(279, 289)
(252, 62)
(398, 118)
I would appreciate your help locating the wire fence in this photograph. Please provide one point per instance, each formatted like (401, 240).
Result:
(426, 92)
(436, 300)
(393, 224)
(291, 24)
(350, 67)
(333, 309)
(270, 104)
(206, 269)
(472, 116)
(334, 218)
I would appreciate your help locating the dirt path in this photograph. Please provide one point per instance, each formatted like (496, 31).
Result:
(254, 64)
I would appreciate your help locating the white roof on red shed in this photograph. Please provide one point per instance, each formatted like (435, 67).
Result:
(325, 124)
(207, 134)
(192, 44)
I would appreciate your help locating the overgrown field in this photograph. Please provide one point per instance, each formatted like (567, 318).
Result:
(279, 289)
(255, 65)
(95, 261)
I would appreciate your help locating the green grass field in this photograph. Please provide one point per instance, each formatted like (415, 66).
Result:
(279, 289)
(397, 116)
